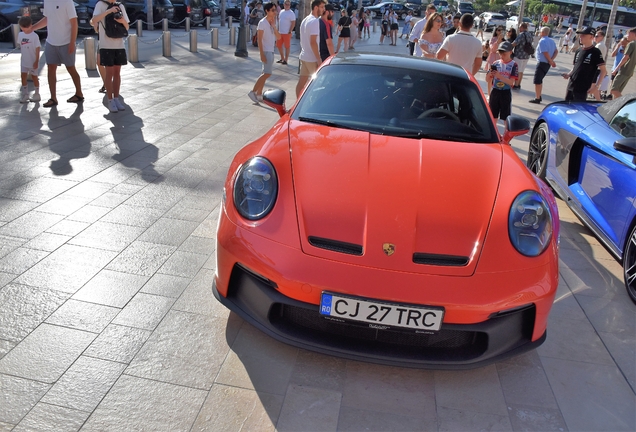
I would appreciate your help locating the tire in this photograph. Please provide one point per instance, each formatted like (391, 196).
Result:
(629, 264)
(538, 150)
(402, 16)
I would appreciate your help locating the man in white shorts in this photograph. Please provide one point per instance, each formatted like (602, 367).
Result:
(60, 19)
(266, 34)
(309, 48)
(521, 56)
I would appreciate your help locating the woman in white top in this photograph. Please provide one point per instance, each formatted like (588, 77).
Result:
(432, 37)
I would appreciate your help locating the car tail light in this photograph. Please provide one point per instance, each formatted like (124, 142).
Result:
(188, 9)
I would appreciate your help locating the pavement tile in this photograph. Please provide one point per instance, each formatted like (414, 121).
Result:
(183, 264)
(64, 204)
(6, 346)
(170, 232)
(89, 214)
(118, 343)
(45, 417)
(140, 404)
(357, 420)
(12, 208)
(451, 420)
(144, 311)
(109, 236)
(523, 381)
(525, 418)
(610, 315)
(46, 353)
(21, 259)
(319, 371)
(623, 349)
(83, 316)
(8, 244)
(308, 408)
(111, 288)
(84, 384)
(30, 224)
(47, 241)
(110, 199)
(18, 396)
(42, 189)
(166, 285)
(68, 228)
(129, 215)
(142, 258)
(198, 297)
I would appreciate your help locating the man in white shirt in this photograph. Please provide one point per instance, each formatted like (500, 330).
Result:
(462, 48)
(60, 19)
(286, 25)
(414, 47)
(309, 49)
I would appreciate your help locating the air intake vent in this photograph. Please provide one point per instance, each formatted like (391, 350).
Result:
(335, 245)
(440, 260)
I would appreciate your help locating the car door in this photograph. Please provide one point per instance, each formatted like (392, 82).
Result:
(608, 177)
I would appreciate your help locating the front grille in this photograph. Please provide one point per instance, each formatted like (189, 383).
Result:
(445, 344)
(335, 245)
(440, 260)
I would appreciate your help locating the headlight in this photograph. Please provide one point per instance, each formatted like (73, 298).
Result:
(530, 224)
(255, 188)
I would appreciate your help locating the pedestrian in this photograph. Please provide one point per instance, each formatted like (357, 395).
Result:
(112, 54)
(286, 25)
(326, 47)
(582, 76)
(521, 54)
(599, 42)
(545, 53)
(29, 59)
(344, 30)
(480, 28)
(393, 26)
(565, 41)
(267, 35)
(619, 36)
(618, 52)
(384, 26)
(309, 49)
(416, 32)
(496, 39)
(256, 16)
(455, 26)
(502, 76)
(355, 21)
(432, 37)
(60, 46)
(406, 29)
(367, 24)
(462, 48)
(625, 68)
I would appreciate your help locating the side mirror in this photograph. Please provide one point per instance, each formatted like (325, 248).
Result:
(276, 99)
(626, 145)
(515, 126)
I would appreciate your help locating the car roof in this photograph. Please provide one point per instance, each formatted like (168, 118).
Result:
(611, 108)
(400, 61)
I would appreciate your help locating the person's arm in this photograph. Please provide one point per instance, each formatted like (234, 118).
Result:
(292, 27)
(40, 24)
(71, 45)
(477, 64)
(313, 43)
(441, 54)
(615, 50)
(36, 63)
(621, 63)
(601, 76)
(259, 38)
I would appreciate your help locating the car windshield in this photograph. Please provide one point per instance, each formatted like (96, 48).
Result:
(625, 120)
(397, 102)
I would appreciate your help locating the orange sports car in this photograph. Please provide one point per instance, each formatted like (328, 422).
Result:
(384, 218)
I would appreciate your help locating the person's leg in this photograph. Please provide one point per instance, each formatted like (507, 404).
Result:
(279, 45)
(345, 42)
(260, 83)
(116, 72)
(102, 73)
(24, 92)
(110, 90)
(538, 88)
(51, 71)
(72, 71)
(36, 84)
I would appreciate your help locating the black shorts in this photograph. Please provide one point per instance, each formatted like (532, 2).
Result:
(394, 26)
(112, 57)
(500, 103)
(540, 72)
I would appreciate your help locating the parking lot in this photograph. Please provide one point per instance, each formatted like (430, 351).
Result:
(107, 238)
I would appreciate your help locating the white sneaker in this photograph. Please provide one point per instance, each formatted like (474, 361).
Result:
(24, 98)
(119, 105)
(35, 98)
(112, 106)
(259, 98)
(253, 96)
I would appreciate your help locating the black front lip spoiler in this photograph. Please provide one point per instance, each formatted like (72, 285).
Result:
(252, 299)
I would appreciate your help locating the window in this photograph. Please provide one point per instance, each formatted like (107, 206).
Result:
(624, 122)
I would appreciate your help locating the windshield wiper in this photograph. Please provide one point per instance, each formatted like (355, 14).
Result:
(442, 137)
(329, 123)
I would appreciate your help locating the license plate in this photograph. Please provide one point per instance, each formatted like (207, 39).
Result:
(380, 314)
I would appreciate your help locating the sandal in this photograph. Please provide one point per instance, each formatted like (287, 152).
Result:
(102, 90)
(283, 62)
(75, 99)
(280, 61)
(50, 103)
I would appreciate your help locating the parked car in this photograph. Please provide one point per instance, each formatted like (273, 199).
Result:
(12, 10)
(392, 224)
(441, 5)
(415, 6)
(513, 22)
(490, 20)
(400, 9)
(232, 9)
(193, 9)
(137, 10)
(586, 152)
(465, 7)
(212, 8)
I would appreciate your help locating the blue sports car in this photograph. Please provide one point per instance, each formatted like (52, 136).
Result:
(586, 152)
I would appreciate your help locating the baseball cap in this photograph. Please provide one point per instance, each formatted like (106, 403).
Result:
(505, 46)
(587, 30)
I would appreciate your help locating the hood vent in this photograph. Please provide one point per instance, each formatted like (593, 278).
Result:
(440, 260)
(335, 245)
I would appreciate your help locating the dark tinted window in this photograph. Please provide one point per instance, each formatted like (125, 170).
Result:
(397, 102)
(624, 122)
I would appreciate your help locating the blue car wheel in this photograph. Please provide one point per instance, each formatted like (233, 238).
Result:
(538, 151)
(629, 265)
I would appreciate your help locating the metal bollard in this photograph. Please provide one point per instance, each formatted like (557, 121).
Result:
(187, 24)
(232, 36)
(375, 27)
(193, 41)
(133, 48)
(166, 44)
(229, 22)
(215, 38)
(165, 24)
(140, 26)
(15, 30)
(207, 23)
(90, 58)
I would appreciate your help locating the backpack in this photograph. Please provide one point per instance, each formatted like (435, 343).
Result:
(527, 47)
(112, 28)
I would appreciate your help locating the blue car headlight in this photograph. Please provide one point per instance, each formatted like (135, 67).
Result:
(530, 223)
(255, 188)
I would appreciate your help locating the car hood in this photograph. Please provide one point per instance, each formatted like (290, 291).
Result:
(377, 200)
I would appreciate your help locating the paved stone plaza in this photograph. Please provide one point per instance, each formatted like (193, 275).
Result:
(107, 319)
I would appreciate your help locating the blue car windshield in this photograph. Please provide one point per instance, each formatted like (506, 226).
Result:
(397, 102)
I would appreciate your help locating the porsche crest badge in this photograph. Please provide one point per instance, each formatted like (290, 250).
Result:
(388, 248)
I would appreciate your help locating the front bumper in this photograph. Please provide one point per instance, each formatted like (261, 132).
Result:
(455, 346)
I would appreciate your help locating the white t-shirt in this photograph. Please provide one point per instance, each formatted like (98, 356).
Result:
(29, 43)
(415, 34)
(269, 37)
(58, 14)
(104, 41)
(285, 20)
(463, 48)
(309, 27)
